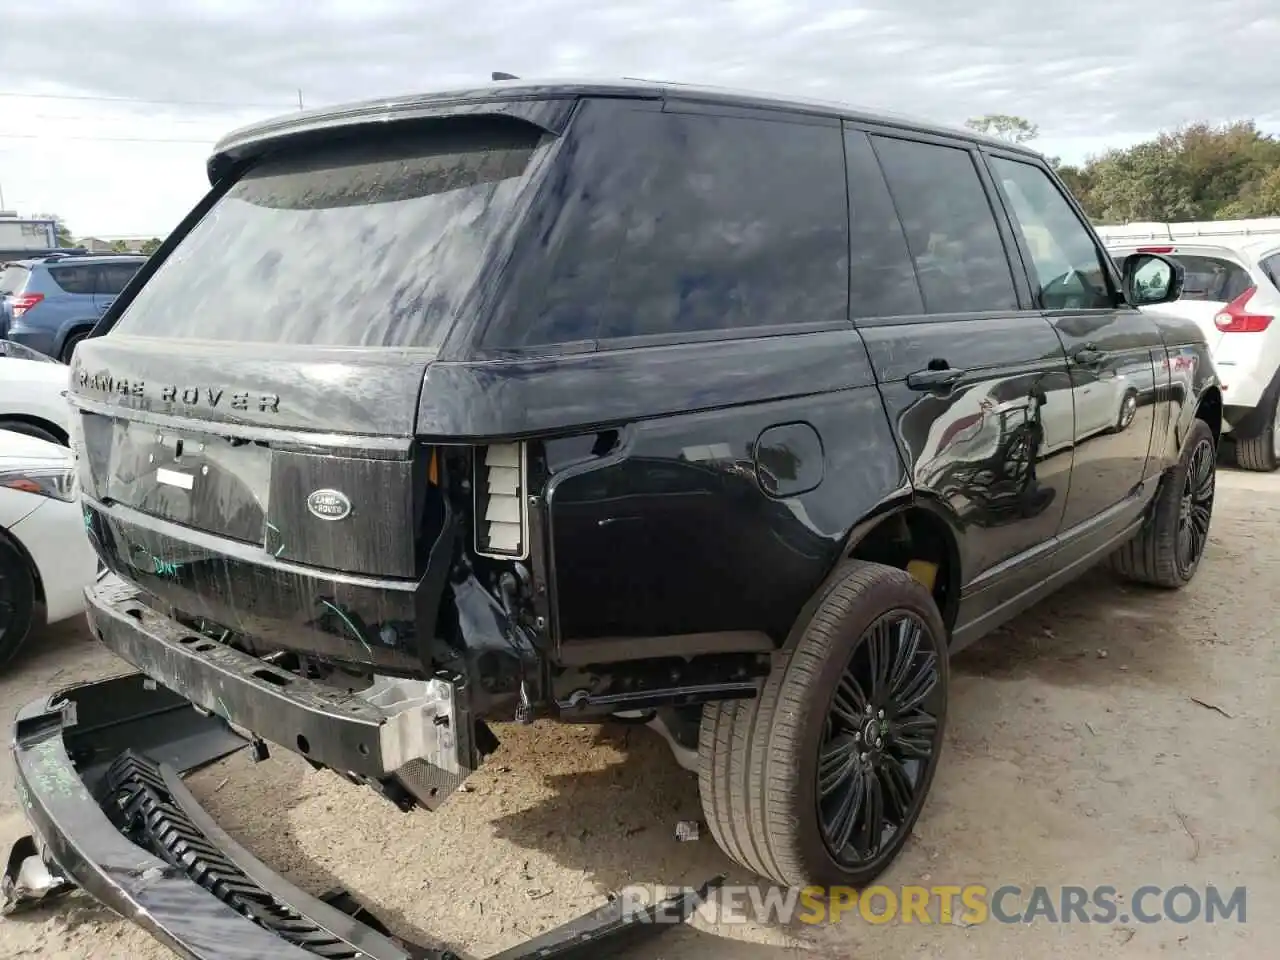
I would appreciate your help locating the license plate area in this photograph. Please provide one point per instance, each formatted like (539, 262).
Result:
(203, 480)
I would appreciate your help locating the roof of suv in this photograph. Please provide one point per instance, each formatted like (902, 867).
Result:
(247, 141)
(77, 259)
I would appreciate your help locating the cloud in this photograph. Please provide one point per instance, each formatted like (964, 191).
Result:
(1084, 70)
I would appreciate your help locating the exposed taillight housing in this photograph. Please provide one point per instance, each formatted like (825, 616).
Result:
(23, 302)
(501, 518)
(1237, 318)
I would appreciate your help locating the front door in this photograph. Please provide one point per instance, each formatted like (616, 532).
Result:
(974, 378)
(1112, 349)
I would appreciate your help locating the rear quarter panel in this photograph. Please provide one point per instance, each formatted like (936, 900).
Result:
(726, 513)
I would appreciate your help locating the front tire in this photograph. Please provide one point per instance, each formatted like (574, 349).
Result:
(821, 778)
(1167, 550)
(17, 601)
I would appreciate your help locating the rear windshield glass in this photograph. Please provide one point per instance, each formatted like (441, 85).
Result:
(352, 244)
(1210, 279)
(12, 279)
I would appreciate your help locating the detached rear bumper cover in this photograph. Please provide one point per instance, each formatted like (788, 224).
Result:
(120, 824)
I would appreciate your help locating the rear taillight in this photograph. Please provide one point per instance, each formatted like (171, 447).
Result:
(1156, 249)
(501, 527)
(23, 302)
(1237, 318)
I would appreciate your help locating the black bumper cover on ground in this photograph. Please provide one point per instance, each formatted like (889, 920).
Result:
(99, 778)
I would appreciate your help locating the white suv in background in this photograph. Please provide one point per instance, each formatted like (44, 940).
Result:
(1232, 291)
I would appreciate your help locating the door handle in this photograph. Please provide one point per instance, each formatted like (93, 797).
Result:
(1088, 355)
(942, 379)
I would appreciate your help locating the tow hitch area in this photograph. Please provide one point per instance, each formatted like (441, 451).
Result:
(99, 770)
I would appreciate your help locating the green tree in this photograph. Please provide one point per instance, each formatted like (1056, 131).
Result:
(119, 246)
(62, 232)
(1199, 172)
(1005, 126)
(149, 247)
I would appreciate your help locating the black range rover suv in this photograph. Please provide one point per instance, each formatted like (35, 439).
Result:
(729, 414)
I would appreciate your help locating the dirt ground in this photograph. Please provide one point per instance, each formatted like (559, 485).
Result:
(1076, 755)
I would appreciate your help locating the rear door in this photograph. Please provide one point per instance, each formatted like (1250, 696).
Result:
(974, 378)
(109, 280)
(1113, 348)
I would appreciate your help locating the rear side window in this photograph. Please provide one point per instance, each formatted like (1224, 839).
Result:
(661, 224)
(1213, 279)
(112, 277)
(1271, 267)
(370, 242)
(13, 279)
(74, 279)
(882, 279)
(950, 228)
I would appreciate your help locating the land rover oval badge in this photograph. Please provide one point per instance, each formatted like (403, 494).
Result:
(329, 505)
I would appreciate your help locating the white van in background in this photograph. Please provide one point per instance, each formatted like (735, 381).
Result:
(1232, 291)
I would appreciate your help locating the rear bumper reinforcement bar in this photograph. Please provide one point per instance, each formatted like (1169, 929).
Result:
(347, 732)
(99, 779)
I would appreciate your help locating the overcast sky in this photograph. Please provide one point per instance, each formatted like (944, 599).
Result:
(1091, 73)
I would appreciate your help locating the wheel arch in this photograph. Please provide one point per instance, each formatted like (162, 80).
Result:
(1209, 409)
(31, 420)
(910, 527)
(7, 539)
(69, 330)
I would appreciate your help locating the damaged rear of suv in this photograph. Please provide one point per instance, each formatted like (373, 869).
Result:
(626, 402)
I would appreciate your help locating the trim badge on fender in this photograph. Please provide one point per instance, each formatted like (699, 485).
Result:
(329, 505)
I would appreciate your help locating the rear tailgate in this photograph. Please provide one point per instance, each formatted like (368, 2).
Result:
(247, 425)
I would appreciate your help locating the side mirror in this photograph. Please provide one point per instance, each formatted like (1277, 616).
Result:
(1150, 278)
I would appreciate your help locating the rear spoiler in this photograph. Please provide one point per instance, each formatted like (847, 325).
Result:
(544, 109)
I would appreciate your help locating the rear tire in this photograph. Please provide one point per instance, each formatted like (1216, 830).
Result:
(1261, 452)
(792, 784)
(17, 601)
(1167, 550)
(69, 348)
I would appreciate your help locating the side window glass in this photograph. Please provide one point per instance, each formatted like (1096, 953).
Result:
(74, 279)
(1068, 266)
(114, 277)
(950, 228)
(1271, 267)
(668, 224)
(882, 278)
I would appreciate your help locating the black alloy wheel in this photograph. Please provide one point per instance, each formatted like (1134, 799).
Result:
(882, 740)
(1196, 506)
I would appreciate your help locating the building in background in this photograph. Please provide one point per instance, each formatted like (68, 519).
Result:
(26, 237)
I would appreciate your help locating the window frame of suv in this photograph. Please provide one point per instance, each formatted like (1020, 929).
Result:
(1029, 272)
(676, 106)
(1023, 290)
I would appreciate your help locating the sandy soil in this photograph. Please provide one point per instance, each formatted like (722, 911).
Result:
(1076, 755)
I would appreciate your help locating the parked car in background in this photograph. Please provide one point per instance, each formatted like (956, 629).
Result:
(51, 303)
(46, 559)
(1232, 291)
(33, 394)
